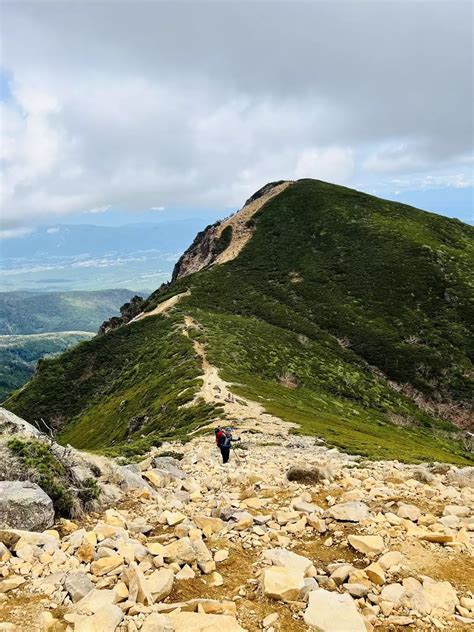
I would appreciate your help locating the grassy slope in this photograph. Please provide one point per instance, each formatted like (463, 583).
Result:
(19, 355)
(391, 279)
(40, 312)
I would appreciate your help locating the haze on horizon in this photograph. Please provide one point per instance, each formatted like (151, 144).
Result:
(113, 107)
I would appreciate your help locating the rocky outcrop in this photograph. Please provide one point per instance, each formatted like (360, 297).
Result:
(24, 505)
(222, 241)
(128, 312)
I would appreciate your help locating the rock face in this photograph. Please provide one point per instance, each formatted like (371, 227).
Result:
(24, 505)
(332, 612)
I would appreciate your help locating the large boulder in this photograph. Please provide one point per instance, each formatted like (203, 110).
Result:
(354, 511)
(24, 505)
(316, 474)
(282, 583)
(288, 559)
(332, 612)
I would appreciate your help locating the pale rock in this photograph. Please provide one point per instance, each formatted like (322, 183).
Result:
(221, 555)
(94, 601)
(386, 607)
(215, 579)
(306, 507)
(437, 537)
(282, 583)
(341, 573)
(375, 573)
(158, 478)
(104, 620)
(393, 592)
(408, 512)
(156, 622)
(11, 583)
(356, 590)
(200, 622)
(180, 551)
(288, 559)
(139, 588)
(155, 548)
(332, 612)
(457, 510)
(5, 554)
(368, 544)
(390, 559)
(434, 597)
(106, 565)
(77, 586)
(213, 525)
(270, 620)
(160, 583)
(349, 512)
(173, 518)
(186, 573)
(411, 585)
(24, 505)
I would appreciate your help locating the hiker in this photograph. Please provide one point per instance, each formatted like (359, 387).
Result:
(224, 441)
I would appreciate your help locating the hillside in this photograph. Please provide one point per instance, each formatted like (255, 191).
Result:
(340, 312)
(43, 312)
(19, 355)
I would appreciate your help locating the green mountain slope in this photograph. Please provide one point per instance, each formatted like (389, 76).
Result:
(42, 312)
(19, 355)
(343, 313)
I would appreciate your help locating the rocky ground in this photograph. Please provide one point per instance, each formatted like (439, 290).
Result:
(193, 545)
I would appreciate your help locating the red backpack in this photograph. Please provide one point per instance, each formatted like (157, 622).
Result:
(219, 435)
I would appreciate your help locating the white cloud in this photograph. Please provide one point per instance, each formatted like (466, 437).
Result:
(52, 231)
(157, 208)
(200, 107)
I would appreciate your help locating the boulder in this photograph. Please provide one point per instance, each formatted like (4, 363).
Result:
(157, 623)
(105, 565)
(104, 620)
(309, 476)
(288, 559)
(170, 465)
(368, 544)
(24, 505)
(409, 512)
(200, 622)
(349, 512)
(332, 612)
(180, 551)
(282, 583)
(160, 583)
(77, 585)
(436, 597)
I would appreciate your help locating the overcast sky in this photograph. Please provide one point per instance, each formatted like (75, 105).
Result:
(139, 105)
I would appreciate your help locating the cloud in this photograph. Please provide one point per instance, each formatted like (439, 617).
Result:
(100, 209)
(52, 231)
(157, 208)
(198, 106)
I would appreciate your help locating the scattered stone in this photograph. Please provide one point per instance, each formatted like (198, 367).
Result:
(368, 544)
(332, 612)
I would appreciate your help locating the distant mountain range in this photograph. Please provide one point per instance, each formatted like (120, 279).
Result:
(90, 257)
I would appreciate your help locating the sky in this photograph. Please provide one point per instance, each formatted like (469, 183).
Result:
(133, 109)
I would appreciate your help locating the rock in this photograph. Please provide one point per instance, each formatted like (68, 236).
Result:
(24, 505)
(270, 620)
(423, 476)
(357, 590)
(199, 622)
(244, 520)
(368, 544)
(160, 583)
(375, 573)
(332, 612)
(349, 512)
(309, 476)
(77, 585)
(206, 523)
(157, 623)
(181, 552)
(409, 512)
(130, 481)
(158, 478)
(393, 593)
(105, 565)
(10, 583)
(104, 620)
(216, 579)
(282, 583)
(434, 597)
(457, 510)
(221, 555)
(390, 559)
(170, 465)
(440, 538)
(94, 601)
(186, 573)
(139, 588)
(341, 573)
(288, 559)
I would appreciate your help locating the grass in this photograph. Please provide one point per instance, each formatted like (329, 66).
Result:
(336, 293)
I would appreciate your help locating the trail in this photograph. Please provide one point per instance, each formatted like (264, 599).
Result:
(245, 414)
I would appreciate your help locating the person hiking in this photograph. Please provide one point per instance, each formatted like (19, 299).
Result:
(218, 432)
(224, 443)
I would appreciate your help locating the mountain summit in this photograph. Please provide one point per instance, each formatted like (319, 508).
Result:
(342, 313)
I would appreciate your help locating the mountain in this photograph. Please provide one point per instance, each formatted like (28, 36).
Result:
(343, 313)
(19, 355)
(90, 257)
(41, 312)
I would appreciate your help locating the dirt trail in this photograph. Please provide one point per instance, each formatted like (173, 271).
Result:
(244, 413)
(162, 307)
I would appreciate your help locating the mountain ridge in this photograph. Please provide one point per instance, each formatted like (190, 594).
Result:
(337, 305)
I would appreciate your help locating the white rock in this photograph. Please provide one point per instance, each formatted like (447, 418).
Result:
(282, 583)
(332, 612)
(349, 512)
